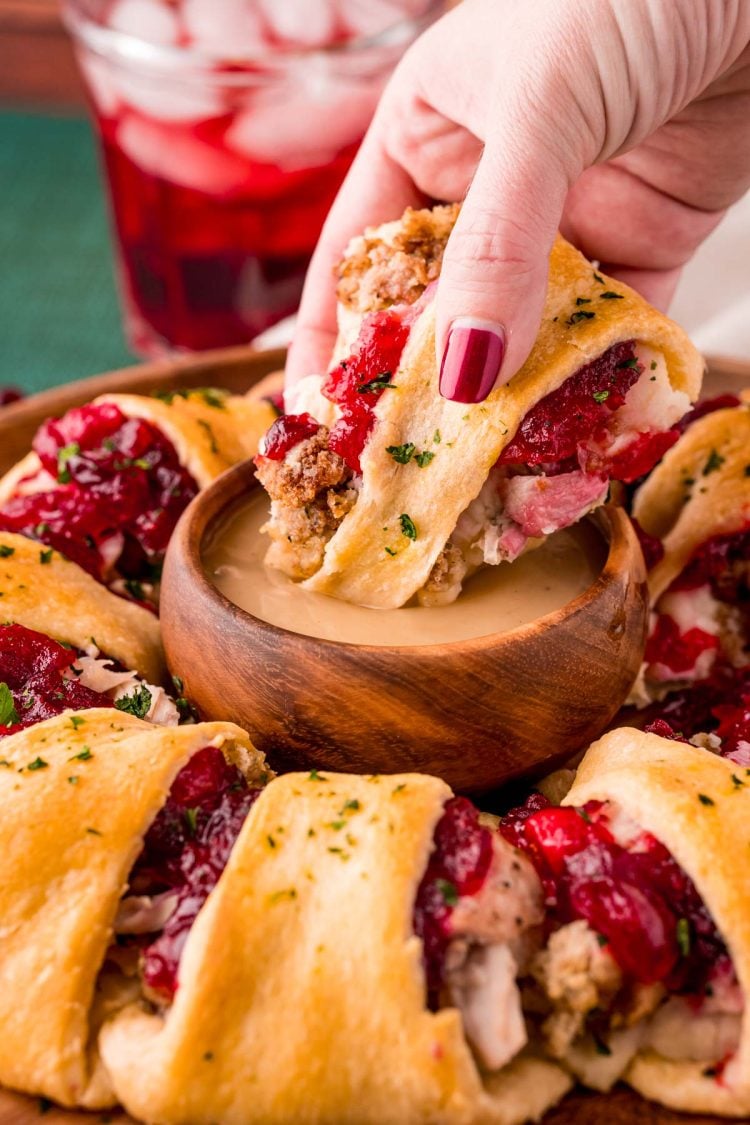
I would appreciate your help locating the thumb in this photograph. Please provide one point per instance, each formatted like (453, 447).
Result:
(494, 275)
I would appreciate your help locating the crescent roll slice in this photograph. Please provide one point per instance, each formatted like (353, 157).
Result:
(693, 1046)
(42, 590)
(107, 482)
(78, 794)
(694, 511)
(303, 983)
(384, 489)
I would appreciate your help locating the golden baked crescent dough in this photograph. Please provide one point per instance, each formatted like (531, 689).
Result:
(208, 438)
(67, 848)
(59, 598)
(700, 489)
(357, 566)
(695, 804)
(302, 995)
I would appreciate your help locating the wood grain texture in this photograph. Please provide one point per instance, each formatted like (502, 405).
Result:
(477, 713)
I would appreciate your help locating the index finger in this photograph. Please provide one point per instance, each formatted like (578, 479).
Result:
(376, 189)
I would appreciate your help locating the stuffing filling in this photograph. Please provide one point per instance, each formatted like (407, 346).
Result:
(40, 678)
(574, 934)
(184, 854)
(108, 495)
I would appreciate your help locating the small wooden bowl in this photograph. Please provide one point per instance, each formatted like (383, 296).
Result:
(476, 712)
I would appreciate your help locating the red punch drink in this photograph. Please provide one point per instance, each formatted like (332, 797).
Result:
(227, 127)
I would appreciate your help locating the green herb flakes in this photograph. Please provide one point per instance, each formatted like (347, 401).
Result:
(93, 832)
(191, 820)
(315, 776)
(631, 363)
(138, 703)
(390, 551)
(423, 459)
(73, 779)
(704, 800)
(64, 455)
(598, 278)
(576, 317)
(37, 764)
(583, 300)
(448, 891)
(84, 756)
(714, 462)
(683, 936)
(8, 714)
(46, 556)
(6, 551)
(381, 382)
(600, 396)
(610, 296)
(402, 453)
(408, 527)
(436, 438)
(76, 721)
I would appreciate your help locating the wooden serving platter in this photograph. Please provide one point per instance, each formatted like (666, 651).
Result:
(238, 369)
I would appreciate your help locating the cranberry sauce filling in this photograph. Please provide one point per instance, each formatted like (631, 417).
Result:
(565, 424)
(9, 395)
(724, 563)
(358, 382)
(677, 651)
(185, 851)
(458, 866)
(32, 684)
(287, 431)
(707, 406)
(719, 705)
(120, 490)
(651, 545)
(638, 899)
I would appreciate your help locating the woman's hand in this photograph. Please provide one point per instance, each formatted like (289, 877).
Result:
(626, 123)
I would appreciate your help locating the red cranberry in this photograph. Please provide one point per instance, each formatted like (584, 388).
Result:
(577, 413)
(708, 406)
(652, 547)
(675, 650)
(358, 382)
(32, 666)
(186, 850)
(120, 483)
(458, 865)
(286, 432)
(9, 395)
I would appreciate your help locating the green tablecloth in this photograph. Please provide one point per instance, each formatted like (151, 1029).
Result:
(59, 316)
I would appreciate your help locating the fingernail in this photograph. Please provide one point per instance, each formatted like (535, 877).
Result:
(472, 359)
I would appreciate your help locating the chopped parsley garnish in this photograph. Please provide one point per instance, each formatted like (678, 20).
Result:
(211, 435)
(602, 1048)
(8, 714)
(84, 755)
(271, 841)
(423, 459)
(714, 462)
(93, 832)
(704, 800)
(135, 589)
(381, 382)
(600, 396)
(583, 300)
(76, 721)
(598, 278)
(37, 764)
(64, 455)
(212, 396)
(448, 891)
(6, 551)
(402, 453)
(436, 438)
(582, 314)
(683, 936)
(137, 704)
(653, 365)
(73, 780)
(46, 556)
(391, 552)
(737, 781)
(408, 527)
(315, 776)
(610, 296)
(350, 806)
(191, 820)
(631, 363)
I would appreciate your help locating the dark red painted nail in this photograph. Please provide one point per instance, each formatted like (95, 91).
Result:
(472, 359)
